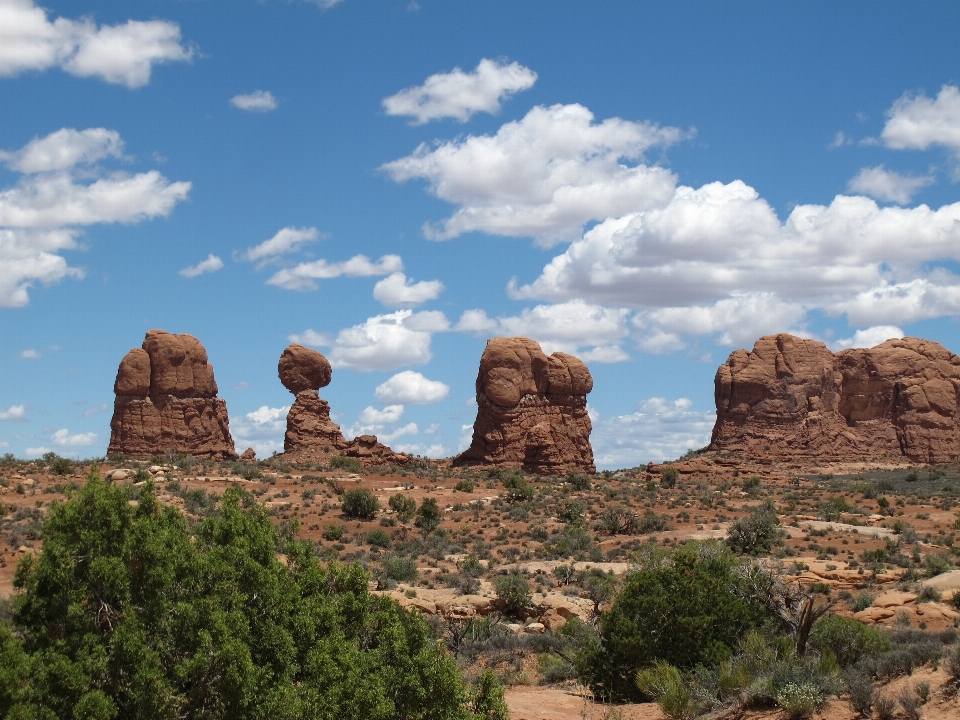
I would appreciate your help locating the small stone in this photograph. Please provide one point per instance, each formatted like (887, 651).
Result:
(534, 628)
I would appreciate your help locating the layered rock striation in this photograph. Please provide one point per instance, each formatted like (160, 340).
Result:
(309, 428)
(794, 397)
(166, 399)
(531, 410)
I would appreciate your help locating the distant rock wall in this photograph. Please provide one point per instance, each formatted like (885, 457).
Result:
(166, 399)
(531, 410)
(791, 396)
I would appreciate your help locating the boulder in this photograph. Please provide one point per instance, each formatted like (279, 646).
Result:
(301, 369)
(166, 399)
(793, 397)
(248, 454)
(531, 410)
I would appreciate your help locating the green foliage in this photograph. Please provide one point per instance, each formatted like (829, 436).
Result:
(348, 464)
(617, 520)
(465, 486)
(847, 639)
(486, 698)
(61, 466)
(684, 609)
(514, 590)
(578, 481)
(664, 683)
(936, 565)
(378, 538)
(799, 701)
(400, 568)
(863, 601)
(757, 533)
(247, 470)
(668, 477)
(571, 511)
(141, 475)
(403, 505)
(428, 515)
(833, 507)
(359, 503)
(128, 613)
(752, 484)
(333, 532)
(651, 522)
(518, 489)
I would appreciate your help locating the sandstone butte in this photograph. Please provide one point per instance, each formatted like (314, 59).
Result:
(310, 431)
(794, 397)
(531, 410)
(166, 399)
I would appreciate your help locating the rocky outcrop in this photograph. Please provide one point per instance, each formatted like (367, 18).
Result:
(794, 397)
(531, 410)
(310, 430)
(166, 399)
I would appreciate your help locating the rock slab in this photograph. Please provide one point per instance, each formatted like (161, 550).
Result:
(166, 399)
(793, 397)
(531, 410)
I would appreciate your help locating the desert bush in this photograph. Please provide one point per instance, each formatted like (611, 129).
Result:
(571, 511)
(752, 484)
(862, 692)
(616, 520)
(378, 538)
(347, 464)
(60, 466)
(758, 533)
(799, 701)
(863, 601)
(514, 590)
(554, 669)
(403, 505)
(650, 522)
(885, 707)
(928, 594)
(909, 703)
(936, 565)
(518, 489)
(832, 508)
(847, 639)
(246, 470)
(952, 664)
(428, 515)
(199, 502)
(486, 698)
(400, 568)
(664, 684)
(360, 503)
(467, 486)
(333, 532)
(668, 477)
(578, 481)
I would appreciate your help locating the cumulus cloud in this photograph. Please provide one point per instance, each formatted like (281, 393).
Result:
(288, 239)
(916, 121)
(459, 95)
(543, 176)
(61, 187)
(569, 326)
(371, 416)
(210, 265)
(64, 438)
(396, 290)
(660, 430)
(868, 337)
(262, 429)
(14, 413)
(411, 388)
(122, 54)
(37, 451)
(886, 185)
(30, 354)
(312, 338)
(305, 275)
(257, 101)
(372, 421)
(386, 342)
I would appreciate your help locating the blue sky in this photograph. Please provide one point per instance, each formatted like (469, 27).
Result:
(647, 185)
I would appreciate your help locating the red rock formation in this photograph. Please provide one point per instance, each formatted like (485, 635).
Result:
(531, 410)
(791, 396)
(309, 428)
(166, 399)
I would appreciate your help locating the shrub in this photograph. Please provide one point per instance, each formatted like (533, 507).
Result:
(651, 522)
(348, 464)
(668, 477)
(403, 505)
(514, 590)
(246, 470)
(885, 707)
(929, 594)
(665, 685)
(333, 532)
(578, 481)
(832, 508)
(360, 503)
(486, 698)
(428, 515)
(400, 568)
(799, 701)
(378, 538)
(936, 565)
(863, 601)
(757, 533)
(909, 703)
(61, 466)
(952, 664)
(571, 511)
(518, 490)
(847, 639)
(465, 486)
(617, 519)
(862, 693)
(752, 484)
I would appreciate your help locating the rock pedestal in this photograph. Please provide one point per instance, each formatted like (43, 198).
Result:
(166, 399)
(531, 410)
(794, 397)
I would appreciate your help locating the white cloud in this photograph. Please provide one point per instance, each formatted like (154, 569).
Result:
(411, 388)
(886, 185)
(839, 140)
(95, 410)
(38, 215)
(916, 122)
(286, 240)
(324, 4)
(35, 452)
(372, 421)
(312, 338)
(14, 413)
(397, 290)
(257, 101)
(371, 416)
(459, 95)
(385, 342)
(210, 265)
(869, 337)
(543, 176)
(30, 354)
(408, 429)
(660, 430)
(305, 275)
(569, 326)
(63, 438)
(122, 54)
(262, 429)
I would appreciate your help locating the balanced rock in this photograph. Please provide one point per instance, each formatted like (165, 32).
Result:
(531, 410)
(166, 399)
(792, 396)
